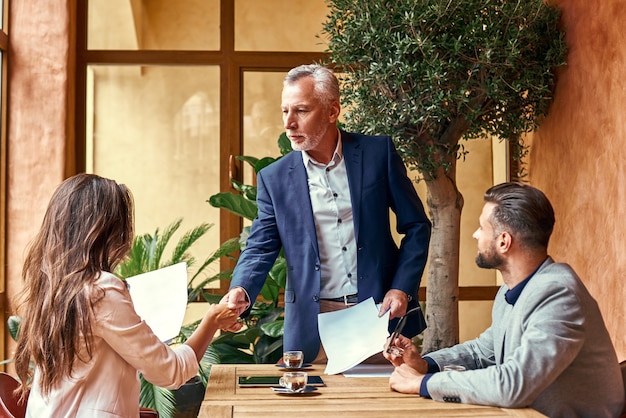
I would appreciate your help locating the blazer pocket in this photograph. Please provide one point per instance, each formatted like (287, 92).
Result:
(290, 296)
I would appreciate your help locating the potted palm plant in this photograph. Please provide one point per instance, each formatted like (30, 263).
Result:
(147, 254)
(261, 340)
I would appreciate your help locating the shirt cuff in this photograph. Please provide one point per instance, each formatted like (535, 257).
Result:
(433, 367)
(247, 296)
(423, 387)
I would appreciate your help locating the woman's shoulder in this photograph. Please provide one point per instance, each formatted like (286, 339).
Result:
(110, 280)
(109, 287)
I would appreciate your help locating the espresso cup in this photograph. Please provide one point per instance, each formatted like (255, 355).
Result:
(294, 381)
(293, 359)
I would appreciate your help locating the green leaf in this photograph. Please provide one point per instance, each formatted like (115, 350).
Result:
(180, 253)
(13, 324)
(234, 203)
(263, 162)
(284, 144)
(162, 400)
(248, 191)
(250, 160)
(274, 329)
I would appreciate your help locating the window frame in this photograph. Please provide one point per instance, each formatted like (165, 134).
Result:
(232, 64)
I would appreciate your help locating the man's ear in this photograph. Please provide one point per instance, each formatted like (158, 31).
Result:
(504, 242)
(333, 111)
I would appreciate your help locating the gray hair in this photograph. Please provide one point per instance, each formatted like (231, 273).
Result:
(326, 84)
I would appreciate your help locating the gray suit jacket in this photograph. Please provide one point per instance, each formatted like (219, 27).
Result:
(550, 351)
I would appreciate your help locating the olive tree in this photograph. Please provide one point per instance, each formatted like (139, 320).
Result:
(433, 73)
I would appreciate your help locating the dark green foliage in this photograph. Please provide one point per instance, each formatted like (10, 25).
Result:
(261, 340)
(147, 254)
(429, 72)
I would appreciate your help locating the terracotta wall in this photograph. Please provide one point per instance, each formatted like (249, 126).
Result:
(37, 111)
(579, 155)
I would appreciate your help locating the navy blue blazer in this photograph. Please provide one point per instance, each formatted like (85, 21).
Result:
(378, 182)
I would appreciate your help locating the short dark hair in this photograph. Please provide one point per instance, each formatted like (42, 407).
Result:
(524, 210)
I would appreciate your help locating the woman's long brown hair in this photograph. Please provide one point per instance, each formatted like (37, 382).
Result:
(87, 228)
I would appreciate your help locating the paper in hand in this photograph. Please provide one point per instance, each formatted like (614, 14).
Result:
(351, 335)
(160, 299)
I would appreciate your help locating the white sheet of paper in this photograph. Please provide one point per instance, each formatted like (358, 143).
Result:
(160, 299)
(370, 370)
(351, 335)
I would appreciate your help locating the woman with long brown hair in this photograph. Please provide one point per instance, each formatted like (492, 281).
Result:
(79, 328)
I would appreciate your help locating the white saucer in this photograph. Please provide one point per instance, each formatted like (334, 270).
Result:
(304, 366)
(284, 391)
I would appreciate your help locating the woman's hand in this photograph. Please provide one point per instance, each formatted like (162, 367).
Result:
(223, 317)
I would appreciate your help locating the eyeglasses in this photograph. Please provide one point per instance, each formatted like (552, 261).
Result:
(392, 349)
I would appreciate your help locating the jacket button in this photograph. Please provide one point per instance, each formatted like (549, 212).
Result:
(316, 298)
(317, 267)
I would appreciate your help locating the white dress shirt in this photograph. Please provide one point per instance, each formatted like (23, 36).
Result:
(332, 213)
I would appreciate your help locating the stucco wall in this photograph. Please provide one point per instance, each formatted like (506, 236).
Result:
(38, 91)
(579, 155)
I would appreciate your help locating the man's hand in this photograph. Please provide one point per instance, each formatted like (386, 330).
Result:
(410, 356)
(405, 379)
(396, 301)
(236, 299)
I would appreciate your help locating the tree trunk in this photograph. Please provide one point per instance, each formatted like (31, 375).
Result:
(445, 203)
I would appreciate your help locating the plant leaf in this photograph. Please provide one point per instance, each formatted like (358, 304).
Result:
(274, 329)
(234, 203)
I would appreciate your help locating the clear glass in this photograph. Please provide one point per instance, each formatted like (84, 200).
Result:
(280, 25)
(154, 25)
(156, 129)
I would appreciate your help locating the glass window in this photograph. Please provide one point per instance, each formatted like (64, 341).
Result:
(154, 24)
(262, 121)
(279, 25)
(156, 129)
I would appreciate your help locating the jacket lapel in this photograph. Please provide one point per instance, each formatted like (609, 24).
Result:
(298, 182)
(353, 157)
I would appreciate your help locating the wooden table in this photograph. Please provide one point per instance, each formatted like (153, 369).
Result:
(344, 397)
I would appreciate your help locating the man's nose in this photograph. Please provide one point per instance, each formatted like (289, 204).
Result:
(289, 120)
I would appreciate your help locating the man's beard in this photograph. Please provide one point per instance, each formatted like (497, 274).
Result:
(307, 145)
(489, 259)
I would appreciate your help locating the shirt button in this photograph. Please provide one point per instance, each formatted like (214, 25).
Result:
(339, 220)
(349, 275)
(344, 249)
(334, 194)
